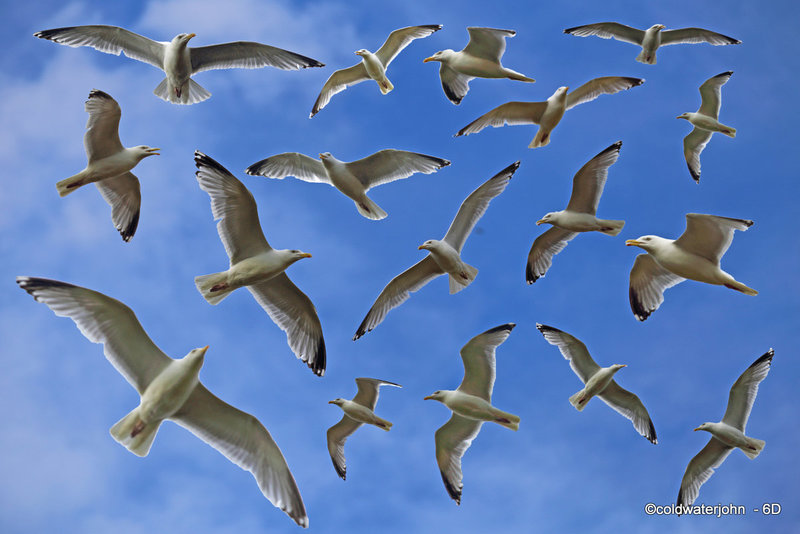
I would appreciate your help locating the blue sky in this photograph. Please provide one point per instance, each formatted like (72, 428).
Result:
(563, 471)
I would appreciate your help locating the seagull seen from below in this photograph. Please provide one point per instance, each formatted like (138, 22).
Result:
(170, 389)
(357, 412)
(109, 164)
(444, 257)
(548, 114)
(372, 66)
(353, 178)
(471, 406)
(178, 61)
(256, 265)
(705, 122)
(652, 38)
(479, 59)
(728, 434)
(579, 216)
(695, 255)
(599, 382)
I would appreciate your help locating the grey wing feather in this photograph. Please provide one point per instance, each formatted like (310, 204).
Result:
(589, 181)
(479, 360)
(452, 441)
(573, 351)
(247, 55)
(609, 30)
(630, 406)
(336, 437)
(710, 236)
(648, 281)
(487, 43)
(607, 85)
(368, 390)
(294, 164)
(338, 82)
(695, 35)
(744, 390)
(102, 128)
(711, 94)
(390, 165)
(455, 84)
(109, 39)
(123, 194)
(544, 247)
(399, 39)
(700, 469)
(693, 145)
(510, 113)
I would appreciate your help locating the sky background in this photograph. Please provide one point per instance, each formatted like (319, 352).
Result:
(563, 471)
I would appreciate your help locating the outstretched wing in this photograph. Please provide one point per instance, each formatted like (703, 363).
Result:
(711, 94)
(744, 390)
(647, 284)
(511, 113)
(368, 390)
(695, 35)
(102, 129)
(544, 247)
(452, 441)
(390, 165)
(399, 39)
(455, 84)
(124, 196)
(607, 85)
(573, 351)
(693, 145)
(700, 469)
(247, 55)
(338, 82)
(629, 405)
(609, 30)
(479, 361)
(589, 181)
(487, 43)
(294, 164)
(109, 39)
(710, 236)
(336, 436)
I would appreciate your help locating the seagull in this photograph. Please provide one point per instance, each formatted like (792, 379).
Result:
(178, 61)
(479, 59)
(694, 255)
(587, 186)
(257, 265)
(170, 389)
(705, 122)
(728, 433)
(471, 406)
(651, 38)
(109, 164)
(353, 178)
(548, 114)
(356, 412)
(599, 382)
(372, 66)
(444, 256)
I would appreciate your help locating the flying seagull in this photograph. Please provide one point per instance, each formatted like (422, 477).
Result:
(479, 59)
(253, 263)
(178, 61)
(548, 114)
(599, 382)
(170, 389)
(728, 433)
(471, 404)
(694, 255)
(705, 122)
(372, 66)
(587, 186)
(353, 178)
(358, 411)
(651, 38)
(444, 256)
(109, 164)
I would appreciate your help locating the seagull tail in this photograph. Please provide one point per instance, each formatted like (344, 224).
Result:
(68, 185)
(136, 435)
(190, 92)
(369, 209)
(464, 278)
(578, 400)
(508, 420)
(729, 131)
(541, 138)
(612, 227)
(643, 57)
(738, 286)
(213, 287)
(385, 85)
(756, 444)
(518, 76)
(383, 423)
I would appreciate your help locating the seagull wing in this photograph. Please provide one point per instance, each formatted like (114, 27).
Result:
(455, 84)
(693, 145)
(629, 405)
(572, 349)
(235, 208)
(609, 30)
(247, 55)
(103, 320)
(544, 247)
(711, 94)
(294, 164)
(487, 43)
(710, 236)
(744, 390)
(368, 391)
(109, 39)
(695, 35)
(647, 285)
(399, 39)
(607, 85)
(122, 193)
(338, 82)
(397, 292)
(452, 441)
(296, 315)
(390, 165)
(474, 206)
(479, 361)
(243, 440)
(511, 113)
(337, 435)
(700, 469)
(102, 129)
(588, 183)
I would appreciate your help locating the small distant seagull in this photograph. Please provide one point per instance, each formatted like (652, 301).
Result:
(651, 38)
(705, 122)
(170, 389)
(253, 263)
(444, 256)
(358, 411)
(178, 61)
(110, 164)
(479, 59)
(694, 255)
(599, 382)
(372, 66)
(728, 433)
(580, 215)
(352, 178)
(471, 406)
(548, 114)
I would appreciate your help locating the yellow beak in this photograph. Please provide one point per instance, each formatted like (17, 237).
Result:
(191, 35)
(427, 59)
(305, 255)
(632, 243)
(330, 402)
(696, 429)
(429, 397)
(540, 221)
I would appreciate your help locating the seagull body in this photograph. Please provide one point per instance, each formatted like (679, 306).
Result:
(471, 406)
(705, 122)
(444, 255)
(579, 216)
(170, 389)
(372, 66)
(479, 59)
(548, 114)
(178, 61)
(358, 411)
(256, 265)
(599, 382)
(353, 178)
(729, 433)
(694, 255)
(652, 38)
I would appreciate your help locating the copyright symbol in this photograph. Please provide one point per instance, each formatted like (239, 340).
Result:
(649, 508)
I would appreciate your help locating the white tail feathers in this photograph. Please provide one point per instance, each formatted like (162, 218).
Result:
(730, 132)
(757, 444)
(383, 423)
(643, 58)
(369, 209)
(385, 85)
(541, 139)
(463, 278)
(518, 76)
(578, 401)
(738, 286)
(205, 283)
(612, 227)
(508, 420)
(139, 444)
(68, 185)
(190, 93)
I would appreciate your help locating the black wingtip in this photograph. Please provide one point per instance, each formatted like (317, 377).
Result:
(766, 357)
(97, 93)
(341, 472)
(503, 327)
(454, 492)
(638, 310)
(651, 434)
(695, 175)
(612, 148)
(317, 365)
(49, 34)
(679, 502)
(32, 284)
(726, 73)
(128, 231)
(202, 160)
(530, 276)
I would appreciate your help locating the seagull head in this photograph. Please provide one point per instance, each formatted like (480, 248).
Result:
(325, 155)
(704, 426)
(363, 52)
(647, 242)
(657, 27)
(298, 255)
(683, 116)
(440, 56)
(337, 402)
(617, 366)
(436, 395)
(549, 218)
(196, 356)
(183, 38)
(142, 151)
(429, 245)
